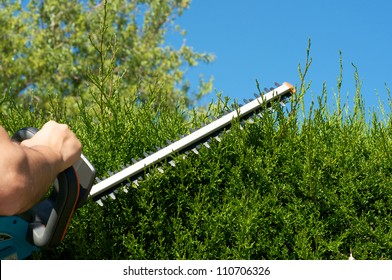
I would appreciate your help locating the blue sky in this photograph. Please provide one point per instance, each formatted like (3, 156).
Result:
(267, 40)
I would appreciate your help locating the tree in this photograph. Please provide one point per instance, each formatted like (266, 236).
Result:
(54, 46)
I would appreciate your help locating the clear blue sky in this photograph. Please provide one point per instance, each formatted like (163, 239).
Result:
(266, 40)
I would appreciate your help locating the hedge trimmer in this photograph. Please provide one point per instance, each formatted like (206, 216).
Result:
(44, 226)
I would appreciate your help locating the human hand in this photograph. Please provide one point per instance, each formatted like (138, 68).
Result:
(63, 147)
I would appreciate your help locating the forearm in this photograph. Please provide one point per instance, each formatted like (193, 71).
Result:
(26, 174)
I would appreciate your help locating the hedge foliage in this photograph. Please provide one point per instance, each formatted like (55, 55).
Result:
(278, 189)
(288, 186)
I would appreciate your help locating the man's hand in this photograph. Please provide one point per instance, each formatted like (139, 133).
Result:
(60, 140)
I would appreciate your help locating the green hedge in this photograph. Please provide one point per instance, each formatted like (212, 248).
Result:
(296, 184)
(289, 186)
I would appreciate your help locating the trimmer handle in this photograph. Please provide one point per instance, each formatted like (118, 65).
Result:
(49, 219)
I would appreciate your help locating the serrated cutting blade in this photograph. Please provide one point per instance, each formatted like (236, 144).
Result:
(133, 172)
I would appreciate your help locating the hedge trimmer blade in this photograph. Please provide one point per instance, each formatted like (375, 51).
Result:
(132, 173)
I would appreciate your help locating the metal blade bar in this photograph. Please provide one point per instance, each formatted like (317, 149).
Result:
(190, 140)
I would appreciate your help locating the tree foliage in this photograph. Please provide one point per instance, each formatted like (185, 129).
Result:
(54, 46)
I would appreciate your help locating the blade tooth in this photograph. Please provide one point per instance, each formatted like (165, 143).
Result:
(195, 151)
(186, 152)
(100, 179)
(277, 84)
(169, 142)
(251, 99)
(125, 187)
(172, 163)
(136, 183)
(112, 196)
(217, 138)
(256, 95)
(102, 200)
(282, 103)
(122, 167)
(266, 90)
(271, 88)
(206, 145)
(246, 101)
(240, 105)
(160, 170)
(145, 154)
(158, 148)
(99, 202)
(134, 160)
(250, 120)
